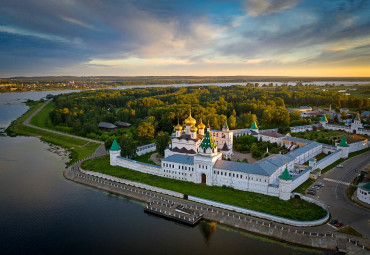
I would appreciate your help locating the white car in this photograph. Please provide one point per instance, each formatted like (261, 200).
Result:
(340, 166)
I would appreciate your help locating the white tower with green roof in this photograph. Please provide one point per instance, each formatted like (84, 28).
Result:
(254, 127)
(323, 121)
(114, 152)
(285, 183)
(344, 147)
(205, 160)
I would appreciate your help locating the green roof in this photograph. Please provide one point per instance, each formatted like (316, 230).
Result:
(364, 186)
(254, 125)
(323, 118)
(225, 125)
(115, 146)
(285, 175)
(343, 142)
(208, 142)
(357, 117)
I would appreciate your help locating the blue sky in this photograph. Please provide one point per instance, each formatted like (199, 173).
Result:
(146, 37)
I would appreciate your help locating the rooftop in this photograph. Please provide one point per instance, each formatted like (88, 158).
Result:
(272, 134)
(179, 158)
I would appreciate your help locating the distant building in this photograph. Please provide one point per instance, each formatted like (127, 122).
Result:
(365, 115)
(105, 126)
(363, 192)
(122, 124)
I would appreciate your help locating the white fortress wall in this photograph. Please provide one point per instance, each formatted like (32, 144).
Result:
(358, 146)
(141, 150)
(301, 178)
(139, 166)
(330, 159)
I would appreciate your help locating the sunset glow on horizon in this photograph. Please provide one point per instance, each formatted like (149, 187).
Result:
(180, 38)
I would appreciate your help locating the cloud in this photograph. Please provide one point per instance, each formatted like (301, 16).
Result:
(256, 8)
(77, 22)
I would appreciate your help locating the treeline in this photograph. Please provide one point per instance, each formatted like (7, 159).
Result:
(151, 110)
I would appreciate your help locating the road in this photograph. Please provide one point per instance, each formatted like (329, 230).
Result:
(333, 194)
(27, 123)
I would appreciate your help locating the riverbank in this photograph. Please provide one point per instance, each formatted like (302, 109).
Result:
(302, 236)
(77, 147)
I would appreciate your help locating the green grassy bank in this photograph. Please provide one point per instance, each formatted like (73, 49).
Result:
(296, 209)
(78, 148)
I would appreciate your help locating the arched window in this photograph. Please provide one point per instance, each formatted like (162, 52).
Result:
(204, 150)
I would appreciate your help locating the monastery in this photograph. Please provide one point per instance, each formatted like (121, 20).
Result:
(199, 154)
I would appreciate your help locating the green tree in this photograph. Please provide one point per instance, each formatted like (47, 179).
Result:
(128, 146)
(145, 130)
(161, 142)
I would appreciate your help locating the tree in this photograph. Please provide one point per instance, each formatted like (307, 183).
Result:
(145, 130)
(128, 146)
(232, 122)
(161, 142)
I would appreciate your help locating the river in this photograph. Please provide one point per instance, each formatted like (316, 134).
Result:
(43, 213)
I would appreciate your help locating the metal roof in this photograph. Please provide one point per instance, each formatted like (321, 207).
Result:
(179, 158)
(106, 125)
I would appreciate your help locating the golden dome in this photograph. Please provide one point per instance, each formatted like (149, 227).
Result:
(201, 125)
(193, 129)
(178, 127)
(190, 121)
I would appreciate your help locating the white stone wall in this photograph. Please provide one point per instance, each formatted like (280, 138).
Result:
(328, 160)
(328, 149)
(138, 166)
(141, 150)
(363, 195)
(301, 179)
(358, 146)
(266, 215)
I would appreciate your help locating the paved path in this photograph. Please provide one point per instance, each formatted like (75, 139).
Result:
(333, 194)
(27, 123)
(154, 158)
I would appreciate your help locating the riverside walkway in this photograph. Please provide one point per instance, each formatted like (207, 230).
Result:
(27, 123)
(322, 237)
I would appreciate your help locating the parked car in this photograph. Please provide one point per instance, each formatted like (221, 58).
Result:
(316, 187)
(320, 184)
(339, 224)
(311, 192)
(340, 166)
(333, 222)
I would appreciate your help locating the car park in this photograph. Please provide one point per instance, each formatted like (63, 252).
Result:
(320, 184)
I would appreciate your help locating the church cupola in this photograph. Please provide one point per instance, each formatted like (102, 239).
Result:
(178, 129)
(323, 120)
(201, 127)
(193, 132)
(189, 122)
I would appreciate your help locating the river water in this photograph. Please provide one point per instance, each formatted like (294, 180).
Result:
(43, 213)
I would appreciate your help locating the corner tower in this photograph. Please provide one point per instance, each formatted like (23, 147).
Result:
(114, 152)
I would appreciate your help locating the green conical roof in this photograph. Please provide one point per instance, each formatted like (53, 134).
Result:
(115, 146)
(254, 125)
(285, 175)
(357, 117)
(173, 134)
(208, 142)
(343, 142)
(323, 118)
(364, 186)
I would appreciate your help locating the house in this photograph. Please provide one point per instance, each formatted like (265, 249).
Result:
(105, 126)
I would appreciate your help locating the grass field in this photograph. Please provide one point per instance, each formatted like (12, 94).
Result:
(78, 148)
(42, 118)
(145, 158)
(296, 209)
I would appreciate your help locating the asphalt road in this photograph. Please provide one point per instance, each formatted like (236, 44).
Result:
(333, 194)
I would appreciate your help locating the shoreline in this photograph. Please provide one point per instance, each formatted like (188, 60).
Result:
(280, 232)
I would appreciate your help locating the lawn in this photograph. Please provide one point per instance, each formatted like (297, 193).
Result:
(294, 208)
(145, 158)
(302, 188)
(78, 148)
(42, 119)
(349, 231)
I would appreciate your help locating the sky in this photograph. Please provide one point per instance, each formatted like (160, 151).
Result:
(175, 37)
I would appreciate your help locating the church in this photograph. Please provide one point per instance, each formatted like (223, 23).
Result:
(200, 155)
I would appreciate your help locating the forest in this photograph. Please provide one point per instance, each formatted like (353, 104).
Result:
(151, 110)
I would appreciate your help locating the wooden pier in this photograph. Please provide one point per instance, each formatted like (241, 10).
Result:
(173, 211)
